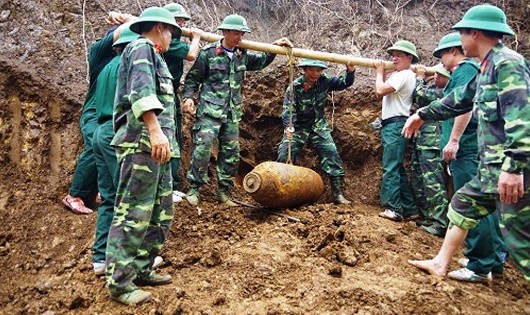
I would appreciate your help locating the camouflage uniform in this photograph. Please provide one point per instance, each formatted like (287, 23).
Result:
(144, 206)
(427, 168)
(219, 109)
(485, 245)
(501, 96)
(174, 57)
(309, 122)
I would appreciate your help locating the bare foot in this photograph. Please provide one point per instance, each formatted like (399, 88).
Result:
(429, 266)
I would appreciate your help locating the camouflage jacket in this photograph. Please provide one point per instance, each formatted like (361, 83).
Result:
(429, 135)
(500, 96)
(425, 94)
(220, 78)
(144, 84)
(309, 101)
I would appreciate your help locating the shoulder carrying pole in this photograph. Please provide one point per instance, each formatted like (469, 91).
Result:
(302, 53)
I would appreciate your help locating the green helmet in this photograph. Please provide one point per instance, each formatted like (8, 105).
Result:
(306, 62)
(156, 14)
(439, 68)
(177, 10)
(234, 22)
(448, 41)
(126, 36)
(406, 47)
(485, 17)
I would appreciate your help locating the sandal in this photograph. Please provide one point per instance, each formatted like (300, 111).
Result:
(76, 205)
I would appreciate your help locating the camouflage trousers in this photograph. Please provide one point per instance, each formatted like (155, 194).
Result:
(469, 205)
(330, 161)
(205, 131)
(142, 216)
(427, 174)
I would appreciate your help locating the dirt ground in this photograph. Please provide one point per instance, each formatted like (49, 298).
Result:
(330, 260)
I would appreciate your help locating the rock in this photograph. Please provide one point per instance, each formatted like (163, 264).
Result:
(211, 259)
(347, 257)
(335, 271)
(4, 15)
(180, 293)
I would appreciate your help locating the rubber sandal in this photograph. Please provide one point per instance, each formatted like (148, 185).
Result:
(76, 205)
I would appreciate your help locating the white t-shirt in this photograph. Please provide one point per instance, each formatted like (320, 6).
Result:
(399, 102)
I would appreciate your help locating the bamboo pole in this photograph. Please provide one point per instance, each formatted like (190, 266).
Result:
(302, 53)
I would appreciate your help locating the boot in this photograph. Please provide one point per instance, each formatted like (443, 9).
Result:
(223, 198)
(192, 196)
(337, 188)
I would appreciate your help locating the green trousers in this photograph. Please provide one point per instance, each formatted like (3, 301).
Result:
(485, 243)
(395, 189)
(85, 179)
(108, 172)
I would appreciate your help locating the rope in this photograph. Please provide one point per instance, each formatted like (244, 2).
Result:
(290, 64)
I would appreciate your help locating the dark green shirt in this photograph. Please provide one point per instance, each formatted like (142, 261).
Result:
(99, 56)
(465, 71)
(106, 90)
(175, 59)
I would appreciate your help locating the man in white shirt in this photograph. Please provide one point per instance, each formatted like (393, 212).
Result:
(396, 196)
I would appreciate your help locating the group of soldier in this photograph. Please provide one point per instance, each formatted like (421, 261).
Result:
(132, 125)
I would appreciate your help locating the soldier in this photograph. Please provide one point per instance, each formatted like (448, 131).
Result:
(310, 125)
(144, 122)
(104, 153)
(396, 91)
(219, 71)
(486, 250)
(175, 56)
(84, 181)
(500, 96)
(427, 168)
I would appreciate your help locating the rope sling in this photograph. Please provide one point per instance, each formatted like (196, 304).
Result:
(290, 64)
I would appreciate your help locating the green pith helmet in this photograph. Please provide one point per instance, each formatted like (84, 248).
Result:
(234, 22)
(156, 14)
(177, 11)
(485, 17)
(406, 47)
(439, 68)
(448, 41)
(126, 36)
(306, 62)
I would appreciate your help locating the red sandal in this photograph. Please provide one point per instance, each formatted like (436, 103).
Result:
(76, 205)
